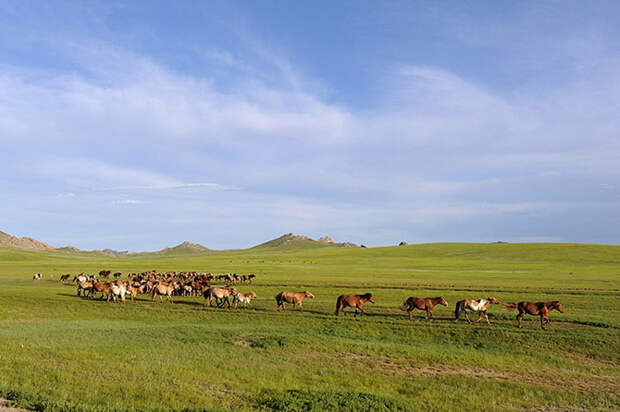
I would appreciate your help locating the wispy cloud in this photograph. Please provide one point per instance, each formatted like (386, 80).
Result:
(212, 186)
(128, 202)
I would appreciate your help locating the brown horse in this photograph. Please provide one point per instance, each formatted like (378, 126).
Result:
(479, 306)
(426, 304)
(296, 298)
(353, 301)
(100, 287)
(535, 308)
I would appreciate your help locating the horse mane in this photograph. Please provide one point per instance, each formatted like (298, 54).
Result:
(366, 295)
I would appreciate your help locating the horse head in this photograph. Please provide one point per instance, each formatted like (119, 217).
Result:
(557, 305)
(308, 294)
(442, 301)
(493, 300)
(370, 297)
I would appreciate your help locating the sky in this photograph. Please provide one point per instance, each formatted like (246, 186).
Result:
(141, 124)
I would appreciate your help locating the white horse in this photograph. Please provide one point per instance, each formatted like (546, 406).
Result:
(117, 291)
(37, 276)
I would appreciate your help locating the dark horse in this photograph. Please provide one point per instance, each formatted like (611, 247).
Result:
(426, 304)
(353, 301)
(535, 308)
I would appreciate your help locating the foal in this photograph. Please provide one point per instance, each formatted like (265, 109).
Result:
(244, 298)
(535, 308)
(426, 304)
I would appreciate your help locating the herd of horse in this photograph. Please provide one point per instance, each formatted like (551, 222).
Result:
(168, 284)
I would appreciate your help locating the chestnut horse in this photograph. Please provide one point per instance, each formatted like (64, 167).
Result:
(479, 306)
(100, 287)
(296, 298)
(535, 308)
(426, 304)
(353, 301)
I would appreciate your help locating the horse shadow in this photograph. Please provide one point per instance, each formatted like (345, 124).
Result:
(186, 303)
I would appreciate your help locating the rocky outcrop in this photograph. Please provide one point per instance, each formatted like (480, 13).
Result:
(28, 243)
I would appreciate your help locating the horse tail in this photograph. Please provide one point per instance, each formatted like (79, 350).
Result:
(339, 304)
(279, 298)
(510, 307)
(405, 305)
(457, 309)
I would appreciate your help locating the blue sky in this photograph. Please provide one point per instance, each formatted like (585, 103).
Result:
(136, 125)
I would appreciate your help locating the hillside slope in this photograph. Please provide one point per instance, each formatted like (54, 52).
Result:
(294, 241)
(27, 243)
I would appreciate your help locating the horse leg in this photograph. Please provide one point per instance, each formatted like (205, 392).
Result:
(487, 318)
(467, 316)
(519, 318)
(429, 313)
(542, 320)
(410, 312)
(301, 308)
(479, 316)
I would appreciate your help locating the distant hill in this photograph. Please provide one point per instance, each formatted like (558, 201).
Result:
(294, 241)
(28, 243)
(72, 249)
(185, 247)
(289, 241)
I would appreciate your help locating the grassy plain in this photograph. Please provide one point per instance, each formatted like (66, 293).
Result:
(62, 352)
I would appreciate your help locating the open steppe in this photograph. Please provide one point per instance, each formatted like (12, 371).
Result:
(62, 352)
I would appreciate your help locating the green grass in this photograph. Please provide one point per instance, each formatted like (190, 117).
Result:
(61, 352)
